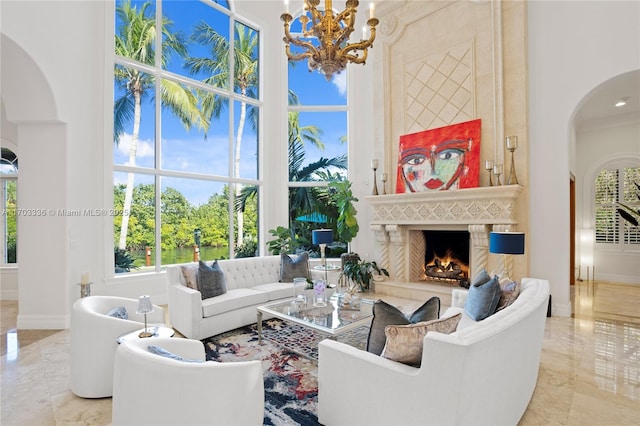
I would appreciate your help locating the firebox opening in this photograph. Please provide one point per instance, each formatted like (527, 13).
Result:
(447, 257)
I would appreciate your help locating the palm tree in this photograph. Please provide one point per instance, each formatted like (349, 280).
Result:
(135, 39)
(302, 200)
(245, 79)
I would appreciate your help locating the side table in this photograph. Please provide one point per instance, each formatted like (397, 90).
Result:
(157, 330)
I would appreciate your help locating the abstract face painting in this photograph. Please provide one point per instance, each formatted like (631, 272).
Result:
(439, 159)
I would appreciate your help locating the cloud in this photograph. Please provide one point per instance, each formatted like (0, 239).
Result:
(145, 147)
(340, 81)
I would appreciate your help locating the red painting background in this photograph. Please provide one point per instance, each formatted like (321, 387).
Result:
(429, 138)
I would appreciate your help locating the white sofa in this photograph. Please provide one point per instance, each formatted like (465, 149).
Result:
(150, 389)
(482, 374)
(93, 341)
(251, 282)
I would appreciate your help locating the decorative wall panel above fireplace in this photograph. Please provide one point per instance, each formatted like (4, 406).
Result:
(397, 218)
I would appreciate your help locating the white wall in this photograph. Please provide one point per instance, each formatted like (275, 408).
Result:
(56, 91)
(573, 47)
(595, 148)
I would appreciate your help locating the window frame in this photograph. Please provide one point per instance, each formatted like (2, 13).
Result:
(157, 172)
(618, 164)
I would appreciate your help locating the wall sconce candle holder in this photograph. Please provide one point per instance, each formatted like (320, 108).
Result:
(512, 144)
(488, 166)
(374, 166)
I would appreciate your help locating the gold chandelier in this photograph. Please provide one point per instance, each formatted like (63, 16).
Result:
(332, 31)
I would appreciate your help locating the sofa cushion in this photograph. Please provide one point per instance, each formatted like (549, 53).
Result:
(293, 268)
(211, 281)
(189, 275)
(276, 290)
(118, 312)
(509, 293)
(482, 300)
(233, 299)
(405, 342)
(385, 314)
(157, 350)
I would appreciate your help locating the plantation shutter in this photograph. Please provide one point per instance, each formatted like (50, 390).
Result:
(631, 198)
(606, 197)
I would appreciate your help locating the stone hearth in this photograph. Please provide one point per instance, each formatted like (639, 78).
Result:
(399, 219)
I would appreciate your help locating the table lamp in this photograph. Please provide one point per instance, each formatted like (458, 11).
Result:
(145, 307)
(506, 244)
(322, 237)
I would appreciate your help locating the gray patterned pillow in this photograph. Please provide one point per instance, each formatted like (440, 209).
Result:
(510, 291)
(385, 314)
(190, 275)
(211, 280)
(290, 268)
(405, 342)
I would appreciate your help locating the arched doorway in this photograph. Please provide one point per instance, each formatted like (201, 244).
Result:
(32, 123)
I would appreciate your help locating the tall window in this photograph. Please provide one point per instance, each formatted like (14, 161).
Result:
(186, 109)
(617, 204)
(318, 142)
(9, 181)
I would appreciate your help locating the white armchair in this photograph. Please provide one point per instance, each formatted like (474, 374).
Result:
(150, 389)
(93, 341)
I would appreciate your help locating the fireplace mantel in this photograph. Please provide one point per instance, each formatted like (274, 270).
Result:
(397, 219)
(486, 205)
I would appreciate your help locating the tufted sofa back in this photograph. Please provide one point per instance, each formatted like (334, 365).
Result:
(250, 271)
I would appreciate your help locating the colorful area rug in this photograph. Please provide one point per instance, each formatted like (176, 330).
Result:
(289, 361)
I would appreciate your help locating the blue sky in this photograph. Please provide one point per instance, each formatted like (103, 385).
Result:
(182, 150)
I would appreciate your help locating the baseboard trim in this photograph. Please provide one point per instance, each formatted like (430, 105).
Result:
(43, 322)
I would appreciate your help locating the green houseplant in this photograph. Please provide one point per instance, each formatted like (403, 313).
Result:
(359, 274)
(282, 243)
(342, 197)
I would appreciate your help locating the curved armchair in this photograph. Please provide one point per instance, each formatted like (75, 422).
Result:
(93, 341)
(150, 389)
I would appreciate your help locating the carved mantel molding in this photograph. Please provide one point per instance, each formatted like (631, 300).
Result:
(479, 210)
(470, 206)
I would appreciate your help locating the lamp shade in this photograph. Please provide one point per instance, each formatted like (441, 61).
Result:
(506, 242)
(587, 239)
(144, 305)
(322, 236)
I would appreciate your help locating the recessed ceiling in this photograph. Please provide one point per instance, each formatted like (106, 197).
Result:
(599, 107)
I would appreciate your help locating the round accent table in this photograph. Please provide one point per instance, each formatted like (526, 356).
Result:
(157, 330)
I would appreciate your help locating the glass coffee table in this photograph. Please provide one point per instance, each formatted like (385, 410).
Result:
(331, 319)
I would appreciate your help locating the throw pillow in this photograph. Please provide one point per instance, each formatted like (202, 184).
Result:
(119, 312)
(482, 300)
(290, 268)
(211, 280)
(509, 293)
(157, 350)
(405, 342)
(481, 278)
(190, 275)
(385, 314)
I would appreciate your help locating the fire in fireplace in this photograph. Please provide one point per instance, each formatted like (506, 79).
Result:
(447, 257)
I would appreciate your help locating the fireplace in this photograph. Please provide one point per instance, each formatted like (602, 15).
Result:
(402, 224)
(446, 257)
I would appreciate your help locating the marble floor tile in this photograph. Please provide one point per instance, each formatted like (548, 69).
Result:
(589, 371)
